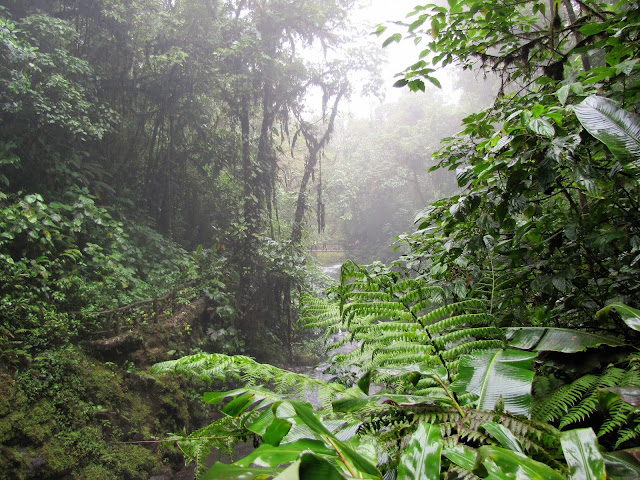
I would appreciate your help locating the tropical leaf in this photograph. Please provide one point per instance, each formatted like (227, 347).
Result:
(623, 464)
(353, 461)
(222, 471)
(503, 435)
(505, 463)
(580, 447)
(496, 374)
(617, 128)
(630, 316)
(461, 456)
(630, 395)
(421, 459)
(310, 467)
(565, 340)
(271, 456)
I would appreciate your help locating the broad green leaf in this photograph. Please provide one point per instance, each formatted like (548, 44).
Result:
(438, 373)
(503, 435)
(593, 28)
(365, 382)
(580, 447)
(222, 471)
(396, 37)
(498, 373)
(315, 468)
(617, 128)
(259, 393)
(461, 456)
(420, 460)
(276, 431)
(239, 404)
(623, 464)
(269, 456)
(542, 127)
(626, 67)
(260, 424)
(353, 404)
(305, 413)
(292, 472)
(563, 94)
(516, 465)
(630, 316)
(310, 467)
(353, 459)
(565, 340)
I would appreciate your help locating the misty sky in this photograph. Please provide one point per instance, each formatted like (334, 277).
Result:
(399, 55)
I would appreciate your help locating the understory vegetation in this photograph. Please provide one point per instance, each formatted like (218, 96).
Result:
(502, 341)
(160, 162)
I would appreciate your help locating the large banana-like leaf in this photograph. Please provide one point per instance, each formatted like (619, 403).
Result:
(245, 400)
(352, 404)
(498, 374)
(421, 459)
(580, 447)
(565, 340)
(617, 128)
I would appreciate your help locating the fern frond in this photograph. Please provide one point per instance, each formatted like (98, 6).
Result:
(626, 435)
(470, 347)
(453, 337)
(454, 308)
(459, 321)
(589, 403)
(208, 366)
(618, 416)
(554, 406)
(372, 296)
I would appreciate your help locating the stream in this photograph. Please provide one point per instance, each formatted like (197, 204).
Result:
(332, 270)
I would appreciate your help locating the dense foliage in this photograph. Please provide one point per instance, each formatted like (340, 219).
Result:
(140, 144)
(500, 345)
(142, 211)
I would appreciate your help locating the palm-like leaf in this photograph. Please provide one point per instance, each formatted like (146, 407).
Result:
(617, 128)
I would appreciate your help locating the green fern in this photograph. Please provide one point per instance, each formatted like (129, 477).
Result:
(209, 366)
(538, 439)
(578, 402)
(398, 320)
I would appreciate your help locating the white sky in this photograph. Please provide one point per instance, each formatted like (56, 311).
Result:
(399, 55)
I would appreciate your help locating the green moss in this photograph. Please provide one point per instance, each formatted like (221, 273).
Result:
(130, 461)
(97, 472)
(68, 415)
